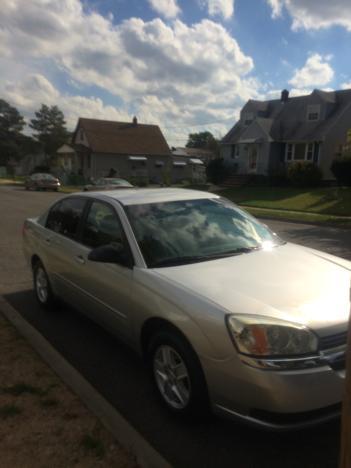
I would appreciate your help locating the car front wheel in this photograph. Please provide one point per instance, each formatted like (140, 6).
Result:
(42, 286)
(177, 373)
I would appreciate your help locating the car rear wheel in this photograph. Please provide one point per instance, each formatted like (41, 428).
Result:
(177, 374)
(42, 287)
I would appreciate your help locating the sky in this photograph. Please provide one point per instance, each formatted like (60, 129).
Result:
(186, 65)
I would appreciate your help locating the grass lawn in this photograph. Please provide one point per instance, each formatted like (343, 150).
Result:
(323, 201)
(12, 180)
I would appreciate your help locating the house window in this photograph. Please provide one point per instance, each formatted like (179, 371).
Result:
(235, 152)
(299, 151)
(309, 151)
(248, 118)
(289, 151)
(313, 112)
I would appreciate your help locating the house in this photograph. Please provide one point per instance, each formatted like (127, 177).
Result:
(205, 155)
(272, 134)
(64, 163)
(186, 166)
(123, 149)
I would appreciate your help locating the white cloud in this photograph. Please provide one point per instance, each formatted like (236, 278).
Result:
(346, 85)
(316, 72)
(299, 92)
(166, 8)
(33, 90)
(224, 8)
(276, 6)
(314, 14)
(170, 73)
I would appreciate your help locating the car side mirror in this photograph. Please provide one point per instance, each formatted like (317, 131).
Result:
(111, 253)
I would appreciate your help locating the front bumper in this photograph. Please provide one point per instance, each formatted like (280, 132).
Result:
(276, 400)
(282, 422)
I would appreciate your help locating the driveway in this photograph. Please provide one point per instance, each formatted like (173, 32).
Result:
(120, 377)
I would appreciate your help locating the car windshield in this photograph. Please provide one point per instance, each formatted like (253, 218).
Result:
(43, 177)
(181, 232)
(111, 181)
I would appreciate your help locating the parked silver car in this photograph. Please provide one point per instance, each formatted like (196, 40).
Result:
(106, 183)
(226, 313)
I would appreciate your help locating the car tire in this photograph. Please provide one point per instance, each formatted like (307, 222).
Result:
(177, 374)
(42, 287)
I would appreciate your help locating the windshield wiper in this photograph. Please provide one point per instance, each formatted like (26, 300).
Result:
(180, 260)
(201, 258)
(230, 253)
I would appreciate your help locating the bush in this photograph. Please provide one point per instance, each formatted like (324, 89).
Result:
(139, 181)
(302, 174)
(341, 168)
(76, 179)
(216, 171)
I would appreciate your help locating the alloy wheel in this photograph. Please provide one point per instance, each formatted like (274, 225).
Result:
(42, 285)
(172, 377)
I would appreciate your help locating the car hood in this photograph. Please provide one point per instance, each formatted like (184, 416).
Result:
(289, 282)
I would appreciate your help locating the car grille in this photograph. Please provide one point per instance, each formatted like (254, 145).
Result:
(333, 341)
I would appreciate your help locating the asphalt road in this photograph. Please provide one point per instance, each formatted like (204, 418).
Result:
(120, 377)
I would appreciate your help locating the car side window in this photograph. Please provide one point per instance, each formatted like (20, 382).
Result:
(102, 226)
(65, 216)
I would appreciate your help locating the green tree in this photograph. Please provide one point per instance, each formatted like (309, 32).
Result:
(11, 126)
(203, 140)
(50, 128)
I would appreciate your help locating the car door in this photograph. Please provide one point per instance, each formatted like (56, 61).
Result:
(60, 247)
(106, 287)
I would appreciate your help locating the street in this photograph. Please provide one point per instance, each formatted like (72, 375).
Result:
(121, 378)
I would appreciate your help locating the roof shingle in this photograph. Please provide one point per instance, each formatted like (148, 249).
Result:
(105, 136)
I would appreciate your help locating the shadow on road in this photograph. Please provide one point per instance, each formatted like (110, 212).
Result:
(332, 240)
(119, 375)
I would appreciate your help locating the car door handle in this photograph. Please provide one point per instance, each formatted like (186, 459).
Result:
(48, 240)
(79, 259)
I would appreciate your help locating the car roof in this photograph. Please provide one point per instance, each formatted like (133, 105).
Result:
(137, 196)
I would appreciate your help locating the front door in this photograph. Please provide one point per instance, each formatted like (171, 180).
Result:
(106, 286)
(253, 158)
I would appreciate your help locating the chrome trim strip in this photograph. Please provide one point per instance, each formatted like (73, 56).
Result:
(251, 421)
(91, 296)
(324, 358)
(284, 363)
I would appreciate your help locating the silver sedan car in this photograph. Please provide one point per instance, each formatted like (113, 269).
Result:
(227, 315)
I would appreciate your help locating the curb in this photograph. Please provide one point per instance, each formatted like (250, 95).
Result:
(146, 455)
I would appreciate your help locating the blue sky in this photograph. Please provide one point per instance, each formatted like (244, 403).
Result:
(187, 65)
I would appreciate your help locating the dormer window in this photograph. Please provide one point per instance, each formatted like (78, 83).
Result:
(248, 118)
(313, 112)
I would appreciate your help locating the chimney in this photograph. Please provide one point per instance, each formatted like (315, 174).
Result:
(284, 96)
(135, 121)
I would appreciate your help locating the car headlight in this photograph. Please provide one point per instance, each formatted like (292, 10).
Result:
(264, 336)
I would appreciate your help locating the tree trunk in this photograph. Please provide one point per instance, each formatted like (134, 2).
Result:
(345, 459)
